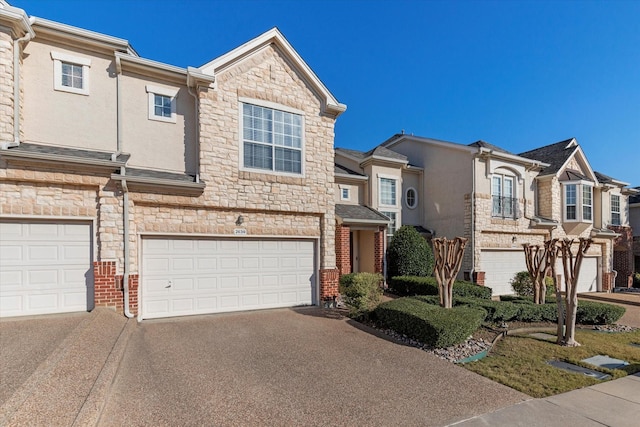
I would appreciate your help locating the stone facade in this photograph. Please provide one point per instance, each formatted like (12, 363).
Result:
(272, 205)
(6, 86)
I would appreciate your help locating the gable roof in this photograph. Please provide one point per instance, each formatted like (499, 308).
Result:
(379, 152)
(275, 37)
(484, 144)
(339, 169)
(556, 155)
(358, 214)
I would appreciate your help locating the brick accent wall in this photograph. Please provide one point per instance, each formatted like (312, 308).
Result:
(343, 249)
(623, 255)
(108, 289)
(107, 286)
(329, 280)
(607, 281)
(379, 251)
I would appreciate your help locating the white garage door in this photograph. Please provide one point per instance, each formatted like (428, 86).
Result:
(500, 267)
(199, 276)
(588, 278)
(45, 268)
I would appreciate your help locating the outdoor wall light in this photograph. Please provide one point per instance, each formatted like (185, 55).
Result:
(513, 239)
(240, 220)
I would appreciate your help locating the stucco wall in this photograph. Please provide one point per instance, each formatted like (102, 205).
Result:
(73, 120)
(156, 144)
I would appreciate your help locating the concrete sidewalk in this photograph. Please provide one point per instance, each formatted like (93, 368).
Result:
(614, 403)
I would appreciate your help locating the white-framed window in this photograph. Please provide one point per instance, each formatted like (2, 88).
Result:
(411, 198)
(587, 203)
(393, 225)
(578, 202)
(162, 103)
(344, 193)
(70, 73)
(387, 191)
(504, 202)
(272, 139)
(615, 210)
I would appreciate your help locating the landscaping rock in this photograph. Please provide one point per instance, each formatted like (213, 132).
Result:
(614, 328)
(454, 353)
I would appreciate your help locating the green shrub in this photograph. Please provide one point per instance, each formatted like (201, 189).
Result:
(412, 285)
(636, 280)
(409, 254)
(428, 323)
(462, 288)
(497, 311)
(529, 312)
(361, 291)
(597, 313)
(517, 299)
(523, 286)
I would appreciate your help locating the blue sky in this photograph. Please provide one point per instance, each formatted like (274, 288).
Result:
(518, 74)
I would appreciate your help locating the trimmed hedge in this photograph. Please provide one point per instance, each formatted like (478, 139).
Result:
(413, 285)
(522, 309)
(597, 313)
(429, 323)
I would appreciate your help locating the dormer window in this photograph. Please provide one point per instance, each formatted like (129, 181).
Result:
(578, 202)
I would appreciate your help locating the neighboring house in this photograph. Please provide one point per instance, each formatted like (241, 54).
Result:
(634, 221)
(159, 190)
(368, 206)
(496, 199)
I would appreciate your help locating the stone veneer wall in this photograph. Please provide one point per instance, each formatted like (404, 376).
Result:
(6, 86)
(267, 76)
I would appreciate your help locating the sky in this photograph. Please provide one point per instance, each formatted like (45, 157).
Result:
(517, 74)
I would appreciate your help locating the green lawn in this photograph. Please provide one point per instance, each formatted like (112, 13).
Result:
(520, 362)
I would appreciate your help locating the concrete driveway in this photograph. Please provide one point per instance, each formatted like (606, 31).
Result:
(287, 367)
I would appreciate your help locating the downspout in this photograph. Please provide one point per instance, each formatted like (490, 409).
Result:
(16, 91)
(196, 110)
(473, 209)
(125, 192)
(125, 217)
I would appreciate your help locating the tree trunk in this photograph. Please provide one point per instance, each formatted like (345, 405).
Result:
(571, 274)
(448, 260)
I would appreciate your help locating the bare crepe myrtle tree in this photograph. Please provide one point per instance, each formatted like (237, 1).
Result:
(535, 257)
(572, 264)
(448, 260)
(551, 255)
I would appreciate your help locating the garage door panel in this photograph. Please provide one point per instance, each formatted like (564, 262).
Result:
(207, 283)
(42, 301)
(12, 253)
(43, 279)
(250, 262)
(43, 253)
(227, 275)
(178, 264)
